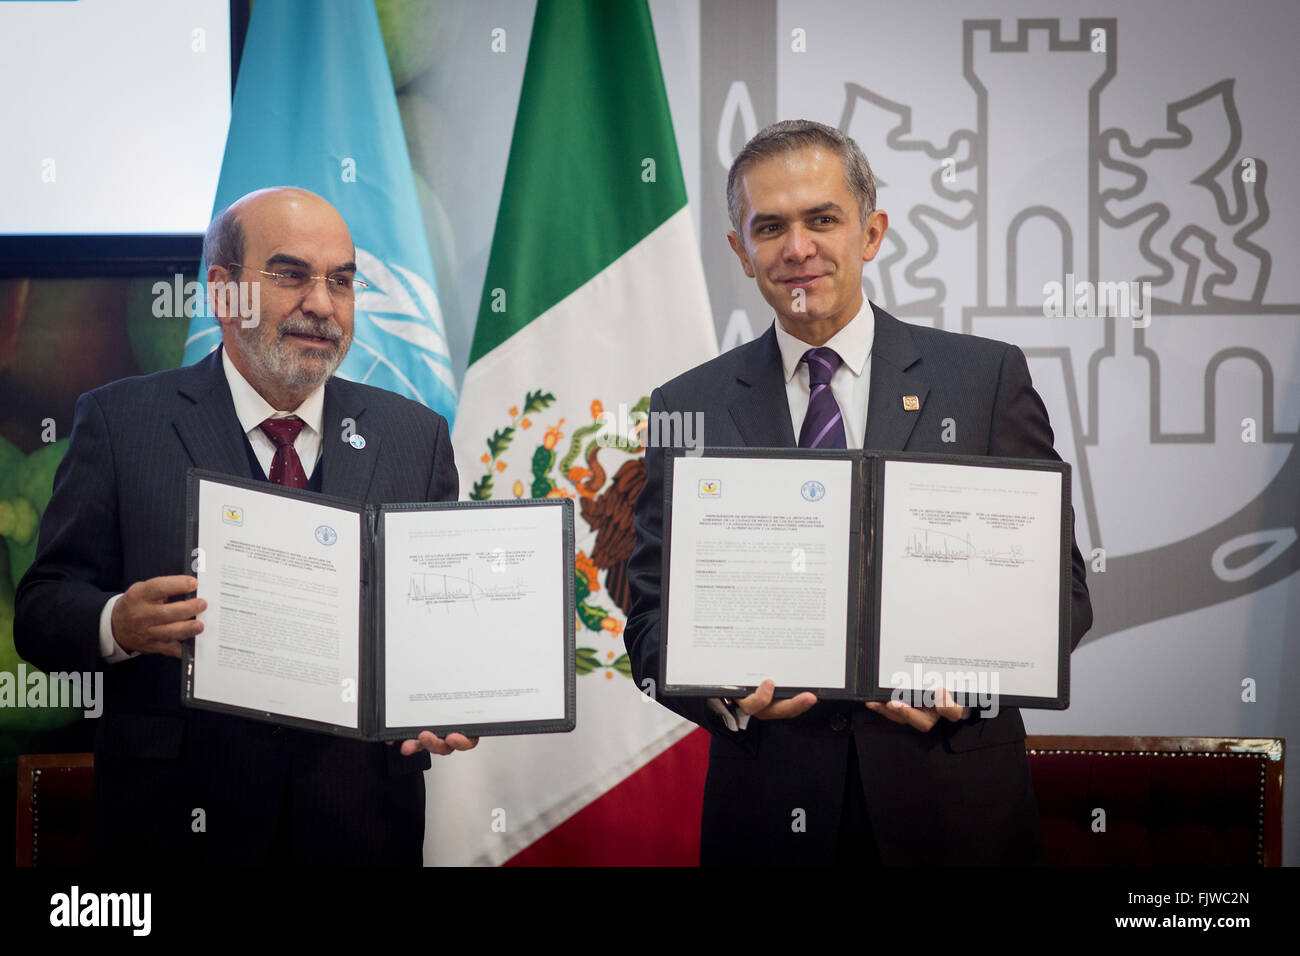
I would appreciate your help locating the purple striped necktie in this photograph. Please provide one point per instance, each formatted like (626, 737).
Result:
(823, 426)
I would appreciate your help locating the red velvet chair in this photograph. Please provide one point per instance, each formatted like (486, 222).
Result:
(1167, 801)
(55, 795)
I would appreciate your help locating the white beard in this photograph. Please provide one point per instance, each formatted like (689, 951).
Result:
(279, 362)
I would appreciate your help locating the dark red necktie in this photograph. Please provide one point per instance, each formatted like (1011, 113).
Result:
(286, 466)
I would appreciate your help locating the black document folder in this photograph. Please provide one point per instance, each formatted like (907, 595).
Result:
(460, 617)
(866, 575)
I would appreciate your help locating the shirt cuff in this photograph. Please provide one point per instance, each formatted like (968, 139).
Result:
(109, 649)
(733, 717)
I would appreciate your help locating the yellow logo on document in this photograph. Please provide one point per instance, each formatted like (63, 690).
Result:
(231, 514)
(710, 488)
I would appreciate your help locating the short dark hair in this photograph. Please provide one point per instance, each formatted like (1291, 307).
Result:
(789, 136)
(223, 243)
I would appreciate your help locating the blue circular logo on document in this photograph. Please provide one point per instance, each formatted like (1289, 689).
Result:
(813, 491)
(326, 535)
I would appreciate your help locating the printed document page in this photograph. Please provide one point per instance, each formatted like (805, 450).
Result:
(970, 578)
(759, 572)
(281, 578)
(475, 626)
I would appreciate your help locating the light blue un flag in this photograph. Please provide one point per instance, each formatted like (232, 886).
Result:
(314, 107)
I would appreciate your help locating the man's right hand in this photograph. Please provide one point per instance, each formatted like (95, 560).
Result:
(144, 621)
(759, 704)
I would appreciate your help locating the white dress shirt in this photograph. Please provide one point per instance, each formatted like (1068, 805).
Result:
(850, 385)
(251, 409)
(851, 382)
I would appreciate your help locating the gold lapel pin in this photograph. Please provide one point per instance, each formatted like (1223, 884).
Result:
(911, 403)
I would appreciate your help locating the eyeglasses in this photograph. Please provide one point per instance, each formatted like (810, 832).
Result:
(340, 284)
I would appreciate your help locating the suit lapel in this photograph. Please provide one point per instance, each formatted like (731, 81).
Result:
(348, 469)
(206, 420)
(209, 429)
(895, 374)
(758, 405)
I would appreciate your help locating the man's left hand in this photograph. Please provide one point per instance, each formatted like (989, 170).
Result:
(922, 718)
(442, 746)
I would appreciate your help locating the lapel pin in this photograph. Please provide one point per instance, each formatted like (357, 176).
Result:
(911, 403)
(356, 441)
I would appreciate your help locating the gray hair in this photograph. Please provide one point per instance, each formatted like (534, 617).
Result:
(223, 243)
(789, 136)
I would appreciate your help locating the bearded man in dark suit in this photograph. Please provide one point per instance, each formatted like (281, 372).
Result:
(175, 785)
(799, 781)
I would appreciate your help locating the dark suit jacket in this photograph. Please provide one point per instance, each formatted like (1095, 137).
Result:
(959, 794)
(117, 516)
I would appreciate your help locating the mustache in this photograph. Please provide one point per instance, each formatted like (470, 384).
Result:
(323, 330)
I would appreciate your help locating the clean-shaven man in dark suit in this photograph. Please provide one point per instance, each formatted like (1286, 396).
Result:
(799, 781)
(178, 785)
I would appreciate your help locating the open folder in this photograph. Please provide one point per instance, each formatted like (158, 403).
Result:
(864, 575)
(378, 622)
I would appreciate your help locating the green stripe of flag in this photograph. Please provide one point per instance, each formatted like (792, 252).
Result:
(593, 109)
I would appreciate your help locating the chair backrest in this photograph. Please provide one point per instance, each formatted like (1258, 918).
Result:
(1159, 801)
(56, 794)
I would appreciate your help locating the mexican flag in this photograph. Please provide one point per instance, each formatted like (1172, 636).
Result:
(594, 296)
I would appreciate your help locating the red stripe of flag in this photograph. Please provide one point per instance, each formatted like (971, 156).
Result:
(651, 818)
